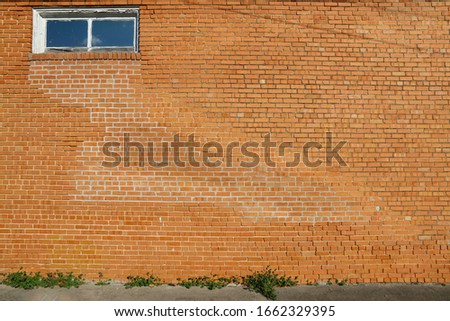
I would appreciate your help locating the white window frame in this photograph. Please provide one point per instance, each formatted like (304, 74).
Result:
(42, 15)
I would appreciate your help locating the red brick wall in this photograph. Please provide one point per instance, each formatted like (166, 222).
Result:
(375, 74)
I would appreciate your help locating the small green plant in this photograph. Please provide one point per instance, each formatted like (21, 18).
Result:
(312, 283)
(211, 283)
(139, 281)
(67, 280)
(265, 281)
(101, 281)
(24, 280)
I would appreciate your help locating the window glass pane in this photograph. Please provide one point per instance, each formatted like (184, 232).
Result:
(112, 33)
(67, 33)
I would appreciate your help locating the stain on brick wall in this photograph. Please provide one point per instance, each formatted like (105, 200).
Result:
(374, 74)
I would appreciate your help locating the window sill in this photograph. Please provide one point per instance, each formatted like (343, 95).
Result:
(86, 56)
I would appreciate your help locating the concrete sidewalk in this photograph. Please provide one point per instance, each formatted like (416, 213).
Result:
(117, 292)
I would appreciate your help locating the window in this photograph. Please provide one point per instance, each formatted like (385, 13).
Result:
(85, 29)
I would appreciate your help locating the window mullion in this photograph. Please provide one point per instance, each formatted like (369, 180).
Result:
(89, 35)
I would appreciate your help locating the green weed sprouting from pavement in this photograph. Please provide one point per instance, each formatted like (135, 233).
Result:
(139, 281)
(101, 281)
(211, 283)
(24, 280)
(265, 281)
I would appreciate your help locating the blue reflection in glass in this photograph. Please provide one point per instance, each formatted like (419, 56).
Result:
(112, 33)
(67, 33)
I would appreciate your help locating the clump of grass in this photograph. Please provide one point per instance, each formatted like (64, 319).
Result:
(211, 283)
(24, 280)
(265, 281)
(101, 281)
(139, 281)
